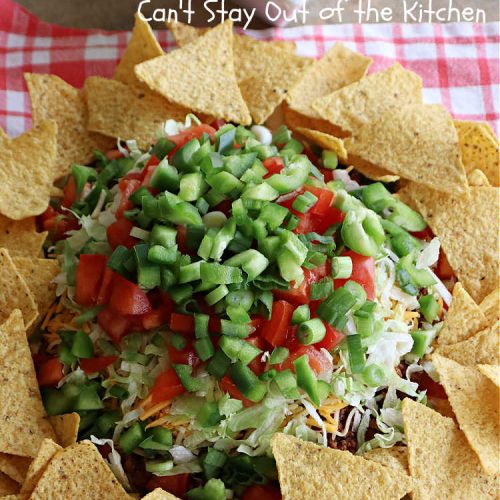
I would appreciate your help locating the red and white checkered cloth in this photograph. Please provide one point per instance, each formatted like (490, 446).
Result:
(459, 63)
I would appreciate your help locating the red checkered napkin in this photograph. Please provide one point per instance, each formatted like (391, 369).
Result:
(459, 63)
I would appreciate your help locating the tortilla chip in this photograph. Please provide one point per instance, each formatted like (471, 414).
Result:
(307, 470)
(294, 120)
(7, 485)
(325, 141)
(481, 348)
(492, 372)
(45, 454)
(362, 102)
(77, 469)
(14, 467)
(159, 494)
(265, 74)
(395, 457)
(15, 292)
(3, 135)
(479, 150)
(200, 76)
(441, 462)
(54, 99)
(416, 142)
(20, 238)
(27, 171)
(127, 112)
(470, 243)
(375, 173)
(185, 33)
(463, 319)
(23, 425)
(39, 275)
(141, 47)
(464, 126)
(16, 496)
(474, 400)
(338, 67)
(477, 178)
(491, 305)
(66, 428)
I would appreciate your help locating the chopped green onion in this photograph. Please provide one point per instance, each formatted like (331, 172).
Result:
(204, 348)
(191, 384)
(159, 466)
(356, 353)
(219, 364)
(301, 314)
(374, 375)
(216, 295)
(429, 308)
(178, 341)
(335, 308)
(131, 438)
(278, 355)
(357, 291)
(321, 289)
(311, 331)
(238, 349)
(341, 267)
(219, 274)
(247, 382)
(304, 202)
(422, 339)
(287, 384)
(306, 379)
(330, 159)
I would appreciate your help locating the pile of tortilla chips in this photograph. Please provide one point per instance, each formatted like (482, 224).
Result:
(378, 125)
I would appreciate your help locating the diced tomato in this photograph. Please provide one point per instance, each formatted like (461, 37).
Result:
(50, 372)
(425, 234)
(191, 133)
(89, 275)
(167, 386)
(363, 272)
(181, 239)
(115, 325)
(227, 385)
(114, 154)
(217, 124)
(214, 325)
(182, 323)
(318, 360)
(273, 165)
(257, 366)
(57, 224)
(224, 206)
(274, 329)
(69, 193)
(119, 234)
(149, 170)
(126, 187)
(300, 295)
(105, 288)
(176, 485)
(262, 492)
(325, 199)
(332, 338)
(127, 298)
(156, 318)
(186, 356)
(93, 365)
(313, 223)
(444, 270)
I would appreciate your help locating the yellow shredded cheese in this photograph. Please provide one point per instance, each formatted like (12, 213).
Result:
(155, 409)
